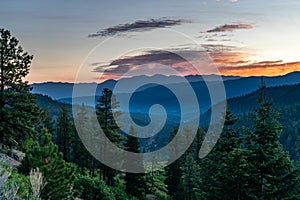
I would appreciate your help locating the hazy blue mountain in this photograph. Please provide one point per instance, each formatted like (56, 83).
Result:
(235, 86)
(246, 85)
(59, 90)
(281, 96)
(62, 90)
(286, 99)
(240, 94)
(212, 77)
(52, 106)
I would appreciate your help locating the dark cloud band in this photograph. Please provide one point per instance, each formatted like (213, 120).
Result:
(230, 27)
(138, 26)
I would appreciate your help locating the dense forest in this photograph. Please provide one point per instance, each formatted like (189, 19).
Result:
(42, 157)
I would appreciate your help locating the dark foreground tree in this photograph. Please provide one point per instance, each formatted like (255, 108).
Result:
(18, 110)
(223, 170)
(135, 183)
(93, 188)
(106, 113)
(58, 175)
(174, 172)
(191, 180)
(155, 184)
(81, 156)
(272, 173)
(64, 133)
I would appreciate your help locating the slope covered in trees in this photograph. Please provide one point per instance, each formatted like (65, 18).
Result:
(286, 99)
(248, 161)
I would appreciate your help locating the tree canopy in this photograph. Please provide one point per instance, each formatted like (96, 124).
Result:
(18, 110)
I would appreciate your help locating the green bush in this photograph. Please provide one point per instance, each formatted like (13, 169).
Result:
(23, 183)
(93, 188)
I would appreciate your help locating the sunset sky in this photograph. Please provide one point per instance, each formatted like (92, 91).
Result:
(243, 37)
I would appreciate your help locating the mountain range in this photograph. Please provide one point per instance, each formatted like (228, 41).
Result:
(235, 86)
(241, 99)
(152, 93)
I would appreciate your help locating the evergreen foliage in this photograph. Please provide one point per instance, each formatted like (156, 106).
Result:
(155, 184)
(191, 180)
(244, 164)
(18, 110)
(80, 154)
(135, 183)
(174, 172)
(93, 188)
(223, 170)
(268, 164)
(64, 133)
(58, 175)
(106, 114)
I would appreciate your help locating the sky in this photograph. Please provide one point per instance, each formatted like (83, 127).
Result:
(105, 39)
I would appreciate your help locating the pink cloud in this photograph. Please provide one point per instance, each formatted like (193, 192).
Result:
(230, 27)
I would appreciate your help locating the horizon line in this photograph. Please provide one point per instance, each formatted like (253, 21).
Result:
(52, 81)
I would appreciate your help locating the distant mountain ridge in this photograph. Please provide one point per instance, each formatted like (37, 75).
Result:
(235, 86)
(286, 99)
(63, 90)
(58, 90)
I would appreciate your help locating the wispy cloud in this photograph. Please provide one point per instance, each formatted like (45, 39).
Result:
(138, 26)
(174, 59)
(266, 68)
(217, 48)
(155, 61)
(230, 27)
(230, 60)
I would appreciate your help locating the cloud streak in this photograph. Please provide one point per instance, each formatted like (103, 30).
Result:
(120, 66)
(138, 26)
(230, 27)
(266, 68)
(217, 48)
(230, 60)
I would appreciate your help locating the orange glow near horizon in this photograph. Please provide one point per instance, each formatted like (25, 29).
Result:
(242, 64)
(279, 70)
(268, 63)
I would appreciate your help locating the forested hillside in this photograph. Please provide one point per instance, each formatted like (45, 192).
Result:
(286, 99)
(43, 158)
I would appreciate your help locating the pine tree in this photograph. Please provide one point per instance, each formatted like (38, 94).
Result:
(48, 122)
(232, 162)
(93, 189)
(64, 133)
(106, 111)
(58, 175)
(81, 155)
(191, 180)
(196, 145)
(174, 171)
(272, 174)
(94, 142)
(223, 170)
(18, 110)
(155, 184)
(135, 183)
